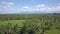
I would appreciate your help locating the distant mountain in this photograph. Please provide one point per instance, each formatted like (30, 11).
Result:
(35, 12)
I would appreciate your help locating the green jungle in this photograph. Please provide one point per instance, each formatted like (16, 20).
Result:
(30, 24)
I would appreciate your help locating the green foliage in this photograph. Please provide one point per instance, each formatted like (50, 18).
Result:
(29, 24)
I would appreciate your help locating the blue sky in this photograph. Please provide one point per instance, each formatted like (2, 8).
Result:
(29, 6)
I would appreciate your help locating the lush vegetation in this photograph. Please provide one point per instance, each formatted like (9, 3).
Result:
(30, 24)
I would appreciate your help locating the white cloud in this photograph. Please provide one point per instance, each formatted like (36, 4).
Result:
(44, 8)
(41, 8)
(25, 8)
(37, 8)
(7, 4)
(9, 10)
(57, 9)
(41, 5)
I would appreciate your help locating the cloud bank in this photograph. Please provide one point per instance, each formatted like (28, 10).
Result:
(40, 8)
(7, 4)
